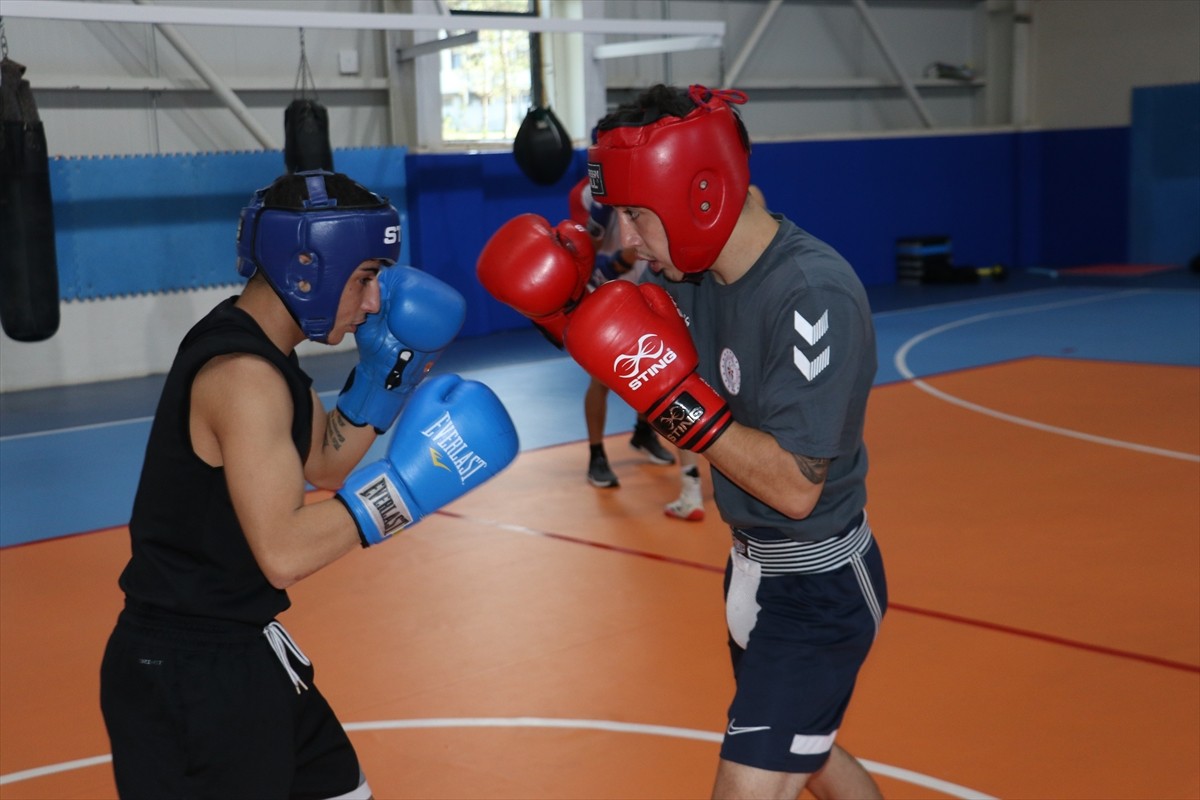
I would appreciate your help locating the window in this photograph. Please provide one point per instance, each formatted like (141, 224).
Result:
(488, 87)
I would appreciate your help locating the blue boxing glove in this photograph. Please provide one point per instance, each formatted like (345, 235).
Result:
(454, 435)
(418, 318)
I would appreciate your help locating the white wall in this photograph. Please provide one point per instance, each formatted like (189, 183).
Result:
(816, 68)
(1089, 54)
(106, 88)
(126, 337)
(808, 75)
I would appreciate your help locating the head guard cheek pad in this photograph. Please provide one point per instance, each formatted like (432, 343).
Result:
(334, 241)
(692, 171)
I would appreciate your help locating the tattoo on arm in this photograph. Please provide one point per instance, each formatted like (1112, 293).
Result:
(815, 469)
(333, 430)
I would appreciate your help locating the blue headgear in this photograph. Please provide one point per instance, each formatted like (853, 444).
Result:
(333, 239)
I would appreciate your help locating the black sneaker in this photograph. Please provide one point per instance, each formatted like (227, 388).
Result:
(645, 440)
(600, 474)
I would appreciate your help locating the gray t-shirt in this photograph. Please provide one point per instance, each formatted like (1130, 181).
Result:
(791, 347)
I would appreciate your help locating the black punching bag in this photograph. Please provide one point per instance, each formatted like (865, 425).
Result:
(306, 137)
(28, 261)
(542, 147)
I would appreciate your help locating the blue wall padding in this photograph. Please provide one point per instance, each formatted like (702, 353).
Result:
(1164, 200)
(1083, 181)
(862, 195)
(143, 224)
(457, 201)
(1040, 198)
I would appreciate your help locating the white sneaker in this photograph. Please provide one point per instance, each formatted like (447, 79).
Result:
(685, 509)
(690, 505)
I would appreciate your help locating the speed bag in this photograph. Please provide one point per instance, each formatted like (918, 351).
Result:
(28, 260)
(306, 137)
(542, 147)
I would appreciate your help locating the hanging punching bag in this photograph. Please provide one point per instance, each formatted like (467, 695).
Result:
(306, 124)
(542, 147)
(306, 136)
(28, 261)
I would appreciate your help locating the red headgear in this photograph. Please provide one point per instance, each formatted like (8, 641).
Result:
(693, 172)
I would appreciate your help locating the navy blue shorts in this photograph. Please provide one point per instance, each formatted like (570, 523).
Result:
(805, 637)
(206, 709)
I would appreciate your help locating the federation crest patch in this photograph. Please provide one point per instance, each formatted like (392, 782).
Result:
(731, 372)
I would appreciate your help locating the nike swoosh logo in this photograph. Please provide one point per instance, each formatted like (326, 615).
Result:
(734, 730)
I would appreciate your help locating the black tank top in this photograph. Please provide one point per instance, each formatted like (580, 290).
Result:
(189, 553)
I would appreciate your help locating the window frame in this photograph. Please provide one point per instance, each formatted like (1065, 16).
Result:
(536, 91)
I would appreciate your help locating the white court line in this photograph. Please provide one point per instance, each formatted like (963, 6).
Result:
(53, 769)
(901, 362)
(907, 776)
(974, 301)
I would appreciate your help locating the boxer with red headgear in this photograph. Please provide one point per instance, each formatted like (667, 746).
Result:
(690, 166)
(763, 364)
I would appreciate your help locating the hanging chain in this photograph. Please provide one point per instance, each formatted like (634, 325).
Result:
(3, 41)
(304, 77)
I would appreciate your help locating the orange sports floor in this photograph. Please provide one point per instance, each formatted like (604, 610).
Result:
(543, 639)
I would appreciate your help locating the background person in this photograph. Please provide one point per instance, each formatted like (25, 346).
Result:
(611, 263)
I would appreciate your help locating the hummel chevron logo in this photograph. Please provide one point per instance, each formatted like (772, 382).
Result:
(809, 331)
(810, 369)
(734, 730)
(811, 334)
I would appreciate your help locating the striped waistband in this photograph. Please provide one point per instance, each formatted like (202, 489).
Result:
(787, 556)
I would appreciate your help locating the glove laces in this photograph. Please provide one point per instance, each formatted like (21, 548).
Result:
(281, 642)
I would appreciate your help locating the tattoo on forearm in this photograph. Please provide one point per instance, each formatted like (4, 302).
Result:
(815, 469)
(333, 430)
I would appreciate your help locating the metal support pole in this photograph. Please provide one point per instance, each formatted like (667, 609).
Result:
(760, 28)
(214, 82)
(909, 88)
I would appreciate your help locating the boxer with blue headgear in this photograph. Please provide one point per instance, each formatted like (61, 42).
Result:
(222, 524)
(307, 242)
(306, 234)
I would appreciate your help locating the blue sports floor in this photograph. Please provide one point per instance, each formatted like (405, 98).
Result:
(70, 457)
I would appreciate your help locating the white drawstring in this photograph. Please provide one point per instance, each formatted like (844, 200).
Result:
(279, 638)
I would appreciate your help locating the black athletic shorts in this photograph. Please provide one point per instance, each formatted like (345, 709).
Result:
(806, 616)
(200, 708)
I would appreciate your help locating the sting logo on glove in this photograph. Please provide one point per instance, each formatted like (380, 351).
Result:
(679, 416)
(629, 366)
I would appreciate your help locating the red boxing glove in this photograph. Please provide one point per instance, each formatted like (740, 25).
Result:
(633, 340)
(540, 271)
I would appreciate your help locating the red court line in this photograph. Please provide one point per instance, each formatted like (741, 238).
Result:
(1120, 270)
(977, 623)
(1046, 637)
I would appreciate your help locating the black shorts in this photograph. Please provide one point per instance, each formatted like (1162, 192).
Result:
(200, 709)
(806, 635)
